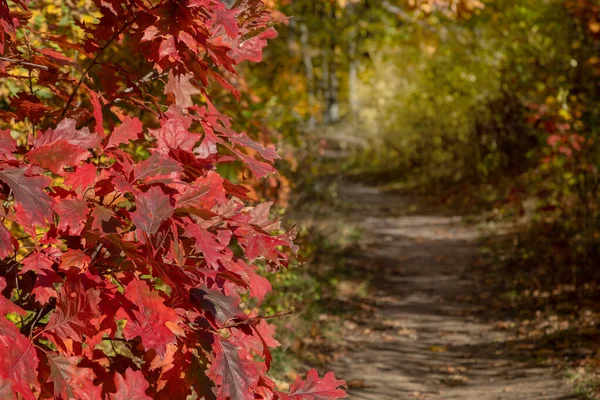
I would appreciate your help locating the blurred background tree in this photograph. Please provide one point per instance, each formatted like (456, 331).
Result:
(488, 102)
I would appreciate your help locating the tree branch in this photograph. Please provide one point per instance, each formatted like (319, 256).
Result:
(26, 63)
(87, 70)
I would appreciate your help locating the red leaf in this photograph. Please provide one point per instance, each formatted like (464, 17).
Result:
(44, 289)
(554, 139)
(58, 155)
(204, 193)
(6, 242)
(37, 262)
(56, 56)
(251, 49)
(152, 209)
(72, 214)
(83, 178)
(173, 133)
(233, 371)
(71, 381)
(227, 19)
(29, 192)
(207, 244)
(74, 258)
(18, 369)
(7, 306)
(157, 166)
(133, 387)
(73, 315)
(259, 286)
(315, 388)
(182, 88)
(105, 221)
(220, 307)
(97, 113)
(167, 48)
(67, 131)
(30, 107)
(8, 145)
(149, 318)
(268, 153)
(130, 129)
(259, 169)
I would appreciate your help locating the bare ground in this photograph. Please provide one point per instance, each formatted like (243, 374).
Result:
(419, 339)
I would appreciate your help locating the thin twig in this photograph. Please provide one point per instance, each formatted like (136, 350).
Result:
(26, 63)
(87, 70)
(255, 320)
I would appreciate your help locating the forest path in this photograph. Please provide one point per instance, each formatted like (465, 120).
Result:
(418, 338)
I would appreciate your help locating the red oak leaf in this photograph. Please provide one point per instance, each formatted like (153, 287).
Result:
(149, 318)
(105, 221)
(167, 48)
(58, 155)
(157, 166)
(315, 388)
(173, 132)
(207, 244)
(259, 169)
(28, 106)
(7, 306)
(44, 288)
(74, 258)
(130, 129)
(73, 315)
(259, 285)
(56, 56)
(221, 308)
(97, 113)
(261, 245)
(182, 88)
(67, 131)
(233, 371)
(8, 145)
(189, 41)
(18, 369)
(251, 49)
(268, 153)
(227, 19)
(36, 261)
(71, 381)
(6, 242)
(82, 179)
(131, 387)
(152, 209)
(29, 192)
(72, 215)
(204, 193)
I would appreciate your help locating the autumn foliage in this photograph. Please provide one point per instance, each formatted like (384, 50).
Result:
(124, 252)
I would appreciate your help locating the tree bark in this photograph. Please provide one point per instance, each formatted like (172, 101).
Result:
(309, 73)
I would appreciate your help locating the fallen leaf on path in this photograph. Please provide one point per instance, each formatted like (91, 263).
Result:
(438, 349)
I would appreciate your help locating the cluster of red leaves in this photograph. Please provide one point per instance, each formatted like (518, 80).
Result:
(120, 278)
(561, 139)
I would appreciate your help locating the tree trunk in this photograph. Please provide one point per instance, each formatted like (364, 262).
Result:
(333, 102)
(308, 70)
(353, 99)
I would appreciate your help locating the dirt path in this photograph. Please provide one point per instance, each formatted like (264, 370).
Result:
(420, 341)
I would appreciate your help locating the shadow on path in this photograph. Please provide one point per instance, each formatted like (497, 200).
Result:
(420, 341)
